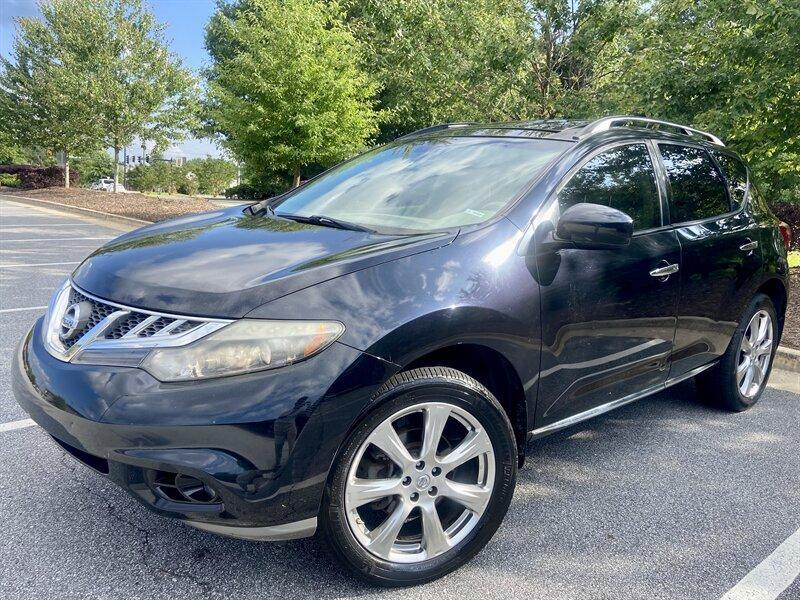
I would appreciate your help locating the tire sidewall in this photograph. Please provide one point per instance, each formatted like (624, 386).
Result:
(492, 418)
(759, 302)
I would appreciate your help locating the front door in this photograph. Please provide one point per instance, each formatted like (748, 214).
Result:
(608, 316)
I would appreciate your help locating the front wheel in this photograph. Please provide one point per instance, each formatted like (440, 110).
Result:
(738, 380)
(423, 482)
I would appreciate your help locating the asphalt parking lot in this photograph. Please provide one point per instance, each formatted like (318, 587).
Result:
(665, 498)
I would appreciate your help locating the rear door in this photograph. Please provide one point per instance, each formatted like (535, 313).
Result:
(607, 323)
(719, 252)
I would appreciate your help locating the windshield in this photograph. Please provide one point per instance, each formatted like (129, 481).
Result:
(425, 185)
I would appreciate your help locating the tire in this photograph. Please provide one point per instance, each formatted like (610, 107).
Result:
(422, 396)
(721, 384)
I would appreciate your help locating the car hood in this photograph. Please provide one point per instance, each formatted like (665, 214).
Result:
(228, 262)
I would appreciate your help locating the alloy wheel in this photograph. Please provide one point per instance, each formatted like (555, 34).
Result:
(420, 482)
(755, 352)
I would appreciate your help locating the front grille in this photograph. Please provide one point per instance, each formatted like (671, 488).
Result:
(125, 325)
(121, 333)
(130, 325)
(99, 312)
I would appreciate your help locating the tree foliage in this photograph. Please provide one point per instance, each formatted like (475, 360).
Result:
(199, 175)
(92, 74)
(142, 90)
(729, 66)
(485, 60)
(93, 166)
(285, 89)
(213, 175)
(45, 99)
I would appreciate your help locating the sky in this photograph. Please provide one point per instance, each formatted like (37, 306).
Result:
(185, 20)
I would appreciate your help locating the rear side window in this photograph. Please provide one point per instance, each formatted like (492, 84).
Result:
(736, 173)
(696, 186)
(621, 178)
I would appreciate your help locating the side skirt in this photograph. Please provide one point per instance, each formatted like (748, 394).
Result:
(609, 406)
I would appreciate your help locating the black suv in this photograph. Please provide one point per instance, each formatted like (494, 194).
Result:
(366, 356)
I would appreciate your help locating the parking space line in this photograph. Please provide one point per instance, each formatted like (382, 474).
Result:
(52, 264)
(772, 575)
(16, 425)
(22, 309)
(60, 239)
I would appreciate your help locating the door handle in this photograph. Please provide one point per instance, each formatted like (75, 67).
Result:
(749, 246)
(665, 271)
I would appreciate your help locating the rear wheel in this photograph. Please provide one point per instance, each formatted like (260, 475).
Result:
(423, 482)
(738, 380)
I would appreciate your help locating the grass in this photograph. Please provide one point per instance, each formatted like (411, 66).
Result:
(794, 259)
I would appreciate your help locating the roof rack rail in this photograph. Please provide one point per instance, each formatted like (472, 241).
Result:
(440, 127)
(607, 123)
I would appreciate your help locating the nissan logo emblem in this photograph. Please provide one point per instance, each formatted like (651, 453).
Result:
(74, 320)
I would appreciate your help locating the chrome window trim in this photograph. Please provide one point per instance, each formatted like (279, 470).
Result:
(128, 350)
(726, 215)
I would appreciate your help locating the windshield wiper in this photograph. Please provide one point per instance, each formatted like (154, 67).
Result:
(325, 222)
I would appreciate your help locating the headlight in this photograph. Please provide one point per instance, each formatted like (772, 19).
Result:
(242, 347)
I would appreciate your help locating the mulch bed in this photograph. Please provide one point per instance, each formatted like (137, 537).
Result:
(791, 330)
(130, 204)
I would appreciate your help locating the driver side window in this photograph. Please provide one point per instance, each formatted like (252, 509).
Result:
(621, 178)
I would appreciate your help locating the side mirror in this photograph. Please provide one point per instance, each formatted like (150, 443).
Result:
(594, 226)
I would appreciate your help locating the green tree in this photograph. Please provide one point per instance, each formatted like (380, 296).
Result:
(729, 66)
(143, 90)
(213, 174)
(285, 89)
(44, 97)
(486, 60)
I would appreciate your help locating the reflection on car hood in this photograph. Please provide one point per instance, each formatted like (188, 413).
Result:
(226, 263)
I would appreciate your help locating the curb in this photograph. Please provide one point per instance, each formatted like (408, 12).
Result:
(787, 359)
(78, 210)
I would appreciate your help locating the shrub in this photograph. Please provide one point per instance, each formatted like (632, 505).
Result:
(33, 177)
(789, 214)
(213, 174)
(259, 188)
(188, 185)
(94, 166)
(9, 180)
(161, 176)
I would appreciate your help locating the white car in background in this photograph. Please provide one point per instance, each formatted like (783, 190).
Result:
(107, 184)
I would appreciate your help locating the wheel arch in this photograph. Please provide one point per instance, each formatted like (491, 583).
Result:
(776, 290)
(494, 371)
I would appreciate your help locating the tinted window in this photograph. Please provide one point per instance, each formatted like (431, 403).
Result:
(736, 173)
(621, 178)
(425, 184)
(697, 189)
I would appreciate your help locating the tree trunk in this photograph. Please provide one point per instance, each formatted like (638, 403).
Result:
(296, 178)
(116, 167)
(66, 170)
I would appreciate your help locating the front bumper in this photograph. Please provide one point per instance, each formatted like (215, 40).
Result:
(260, 445)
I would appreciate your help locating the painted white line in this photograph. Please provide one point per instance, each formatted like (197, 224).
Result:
(12, 310)
(16, 425)
(53, 264)
(772, 576)
(61, 239)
